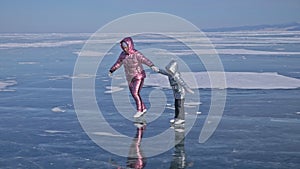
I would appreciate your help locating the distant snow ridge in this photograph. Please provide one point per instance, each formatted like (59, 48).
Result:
(227, 52)
(237, 80)
(41, 44)
(227, 43)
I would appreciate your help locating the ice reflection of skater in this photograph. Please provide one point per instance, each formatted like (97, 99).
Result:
(179, 160)
(179, 88)
(133, 61)
(135, 157)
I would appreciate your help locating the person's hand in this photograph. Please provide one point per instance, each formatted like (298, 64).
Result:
(110, 74)
(155, 69)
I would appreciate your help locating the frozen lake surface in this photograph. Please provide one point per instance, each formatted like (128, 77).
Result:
(259, 128)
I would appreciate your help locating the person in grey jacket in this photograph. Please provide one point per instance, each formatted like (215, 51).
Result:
(179, 88)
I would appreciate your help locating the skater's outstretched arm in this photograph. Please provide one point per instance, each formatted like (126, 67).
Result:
(161, 71)
(118, 63)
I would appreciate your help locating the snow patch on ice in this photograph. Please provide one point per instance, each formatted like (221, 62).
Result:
(236, 80)
(192, 103)
(78, 76)
(198, 112)
(107, 134)
(7, 83)
(55, 131)
(285, 120)
(58, 110)
(83, 76)
(92, 53)
(113, 89)
(28, 63)
(60, 77)
(171, 108)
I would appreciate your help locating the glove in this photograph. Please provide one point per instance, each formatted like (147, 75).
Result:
(155, 69)
(110, 74)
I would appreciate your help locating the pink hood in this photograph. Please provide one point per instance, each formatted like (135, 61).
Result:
(130, 44)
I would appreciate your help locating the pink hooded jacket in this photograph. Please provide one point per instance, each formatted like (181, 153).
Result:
(132, 62)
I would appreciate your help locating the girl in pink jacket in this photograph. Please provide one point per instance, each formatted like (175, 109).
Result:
(133, 61)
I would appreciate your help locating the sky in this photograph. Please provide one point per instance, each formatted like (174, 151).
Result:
(72, 16)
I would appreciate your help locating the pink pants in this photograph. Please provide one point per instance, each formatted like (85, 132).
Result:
(135, 87)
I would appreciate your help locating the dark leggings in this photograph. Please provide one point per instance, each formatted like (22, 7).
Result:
(179, 109)
(135, 87)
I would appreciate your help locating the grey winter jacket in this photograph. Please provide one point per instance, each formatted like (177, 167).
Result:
(178, 85)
